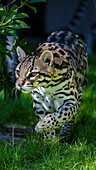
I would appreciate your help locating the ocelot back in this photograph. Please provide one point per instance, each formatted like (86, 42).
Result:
(55, 74)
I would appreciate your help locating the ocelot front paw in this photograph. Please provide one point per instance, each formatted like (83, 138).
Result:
(45, 125)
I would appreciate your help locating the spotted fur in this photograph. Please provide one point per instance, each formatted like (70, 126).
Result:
(55, 74)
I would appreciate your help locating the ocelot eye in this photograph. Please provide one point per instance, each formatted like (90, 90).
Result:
(17, 73)
(33, 74)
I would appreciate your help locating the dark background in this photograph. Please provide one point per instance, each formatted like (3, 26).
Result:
(57, 15)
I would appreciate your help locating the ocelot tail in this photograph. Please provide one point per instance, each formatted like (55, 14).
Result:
(55, 74)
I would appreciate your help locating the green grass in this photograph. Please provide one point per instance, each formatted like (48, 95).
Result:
(36, 154)
(18, 111)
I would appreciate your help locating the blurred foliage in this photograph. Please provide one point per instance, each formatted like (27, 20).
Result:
(10, 21)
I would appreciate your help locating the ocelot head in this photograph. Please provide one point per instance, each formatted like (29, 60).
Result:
(33, 70)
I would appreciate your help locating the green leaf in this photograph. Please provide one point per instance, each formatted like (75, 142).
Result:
(22, 43)
(33, 8)
(1, 7)
(21, 15)
(18, 26)
(22, 24)
(14, 35)
(9, 18)
(4, 51)
(11, 32)
(14, 9)
(7, 9)
(22, 2)
(2, 29)
(12, 14)
(2, 13)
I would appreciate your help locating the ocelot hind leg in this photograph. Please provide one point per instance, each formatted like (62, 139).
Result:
(66, 130)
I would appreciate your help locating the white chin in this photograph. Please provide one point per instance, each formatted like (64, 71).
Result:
(17, 87)
(25, 91)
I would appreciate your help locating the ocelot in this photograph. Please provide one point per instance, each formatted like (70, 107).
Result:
(55, 74)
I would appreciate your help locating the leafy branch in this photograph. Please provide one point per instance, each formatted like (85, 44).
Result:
(10, 21)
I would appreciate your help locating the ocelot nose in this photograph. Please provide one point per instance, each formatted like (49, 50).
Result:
(20, 83)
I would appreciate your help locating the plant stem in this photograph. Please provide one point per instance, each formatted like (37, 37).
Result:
(11, 3)
(22, 5)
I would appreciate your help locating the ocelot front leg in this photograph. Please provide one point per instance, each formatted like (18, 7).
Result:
(52, 133)
(41, 113)
(64, 114)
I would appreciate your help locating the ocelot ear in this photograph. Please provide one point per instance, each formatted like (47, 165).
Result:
(21, 53)
(47, 57)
